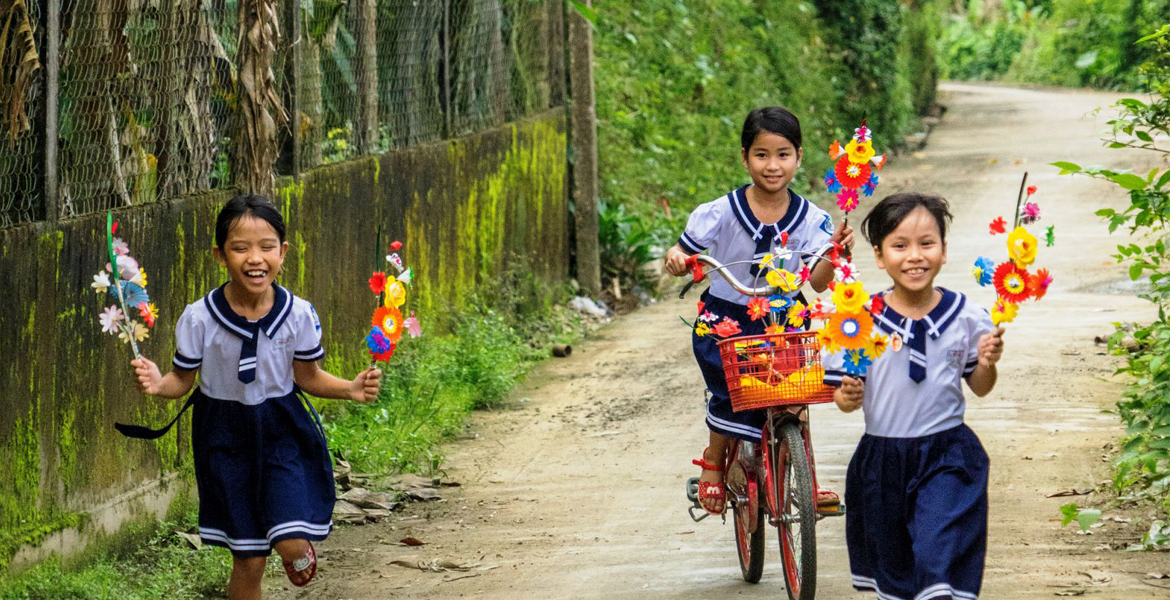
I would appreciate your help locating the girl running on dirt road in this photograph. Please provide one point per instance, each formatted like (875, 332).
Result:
(745, 225)
(263, 470)
(916, 487)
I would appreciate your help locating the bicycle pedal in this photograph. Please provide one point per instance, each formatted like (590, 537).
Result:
(836, 510)
(693, 490)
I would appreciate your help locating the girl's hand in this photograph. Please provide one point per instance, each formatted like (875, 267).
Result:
(850, 395)
(364, 387)
(676, 261)
(147, 375)
(844, 236)
(991, 348)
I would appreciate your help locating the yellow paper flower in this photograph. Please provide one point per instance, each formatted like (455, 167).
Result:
(140, 278)
(877, 345)
(796, 314)
(859, 153)
(140, 332)
(767, 260)
(702, 329)
(1022, 246)
(826, 341)
(849, 297)
(1003, 311)
(395, 294)
(786, 281)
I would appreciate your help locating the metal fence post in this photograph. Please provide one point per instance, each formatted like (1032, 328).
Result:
(51, 65)
(445, 76)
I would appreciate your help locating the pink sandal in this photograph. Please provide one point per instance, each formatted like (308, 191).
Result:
(708, 490)
(294, 569)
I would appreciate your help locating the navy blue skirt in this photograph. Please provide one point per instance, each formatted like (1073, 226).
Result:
(744, 425)
(264, 473)
(917, 521)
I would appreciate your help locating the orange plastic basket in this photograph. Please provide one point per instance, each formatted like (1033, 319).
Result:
(775, 369)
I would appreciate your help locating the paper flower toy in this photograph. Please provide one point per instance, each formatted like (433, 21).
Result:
(388, 322)
(1012, 281)
(123, 280)
(852, 173)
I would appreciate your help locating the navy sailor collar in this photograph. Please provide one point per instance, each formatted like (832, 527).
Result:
(797, 209)
(936, 321)
(223, 314)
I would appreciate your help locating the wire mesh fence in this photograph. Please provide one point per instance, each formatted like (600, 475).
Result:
(21, 100)
(148, 91)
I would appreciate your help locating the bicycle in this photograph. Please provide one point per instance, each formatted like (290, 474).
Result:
(785, 446)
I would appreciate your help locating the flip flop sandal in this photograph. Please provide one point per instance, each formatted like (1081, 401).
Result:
(827, 497)
(708, 490)
(296, 568)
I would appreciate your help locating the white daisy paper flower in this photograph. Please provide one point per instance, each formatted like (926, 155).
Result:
(110, 318)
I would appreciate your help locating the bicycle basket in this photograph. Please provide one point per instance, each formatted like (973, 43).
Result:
(775, 369)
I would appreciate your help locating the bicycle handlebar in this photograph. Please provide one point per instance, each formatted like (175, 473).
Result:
(695, 264)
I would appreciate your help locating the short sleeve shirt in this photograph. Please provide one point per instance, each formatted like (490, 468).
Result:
(728, 230)
(210, 337)
(897, 406)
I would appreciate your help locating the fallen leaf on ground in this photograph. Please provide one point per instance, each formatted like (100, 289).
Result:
(1072, 592)
(1098, 577)
(195, 541)
(1069, 492)
(1157, 575)
(411, 541)
(439, 565)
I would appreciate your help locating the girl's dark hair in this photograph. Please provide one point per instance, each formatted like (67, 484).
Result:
(773, 119)
(246, 206)
(889, 213)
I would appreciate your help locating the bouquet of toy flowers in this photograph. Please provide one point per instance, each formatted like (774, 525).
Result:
(1012, 281)
(389, 322)
(853, 167)
(847, 322)
(124, 280)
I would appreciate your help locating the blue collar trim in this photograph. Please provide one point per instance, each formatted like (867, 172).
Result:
(242, 328)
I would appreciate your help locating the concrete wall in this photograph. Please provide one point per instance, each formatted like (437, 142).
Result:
(461, 208)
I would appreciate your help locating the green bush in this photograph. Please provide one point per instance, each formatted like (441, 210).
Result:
(675, 79)
(1143, 467)
(1074, 43)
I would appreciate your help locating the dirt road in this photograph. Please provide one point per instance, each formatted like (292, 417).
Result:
(577, 490)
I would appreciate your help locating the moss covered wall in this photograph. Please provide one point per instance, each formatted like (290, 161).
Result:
(461, 208)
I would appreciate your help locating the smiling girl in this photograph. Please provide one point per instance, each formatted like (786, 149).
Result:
(263, 470)
(917, 484)
(743, 227)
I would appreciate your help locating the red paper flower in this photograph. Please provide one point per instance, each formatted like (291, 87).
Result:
(850, 174)
(726, 328)
(758, 307)
(805, 274)
(384, 356)
(1039, 283)
(378, 282)
(847, 199)
(395, 246)
(783, 239)
(701, 306)
(876, 305)
(1031, 190)
(998, 226)
(817, 311)
(1011, 282)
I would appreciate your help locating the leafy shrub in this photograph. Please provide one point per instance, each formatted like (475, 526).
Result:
(1143, 468)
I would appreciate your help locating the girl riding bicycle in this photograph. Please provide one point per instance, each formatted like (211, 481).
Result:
(917, 485)
(746, 225)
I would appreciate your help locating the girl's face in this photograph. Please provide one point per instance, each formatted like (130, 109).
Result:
(772, 161)
(914, 252)
(253, 254)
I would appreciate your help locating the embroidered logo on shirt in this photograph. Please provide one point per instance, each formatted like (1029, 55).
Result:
(282, 341)
(955, 357)
(316, 319)
(827, 225)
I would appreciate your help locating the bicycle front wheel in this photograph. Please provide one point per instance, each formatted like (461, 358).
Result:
(796, 512)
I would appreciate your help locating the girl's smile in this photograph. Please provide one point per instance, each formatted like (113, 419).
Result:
(913, 253)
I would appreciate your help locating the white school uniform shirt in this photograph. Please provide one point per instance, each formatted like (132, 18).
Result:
(729, 232)
(895, 405)
(209, 337)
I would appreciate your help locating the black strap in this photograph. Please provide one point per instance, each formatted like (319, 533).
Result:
(145, 433)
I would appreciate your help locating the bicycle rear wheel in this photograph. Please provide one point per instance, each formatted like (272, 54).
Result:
(749, 521)
(797, 512)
